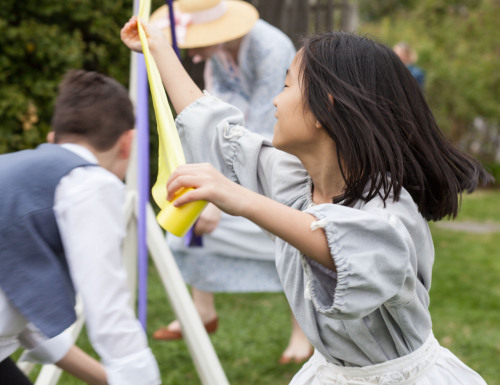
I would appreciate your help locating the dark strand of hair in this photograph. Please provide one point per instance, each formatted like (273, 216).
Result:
(386, 135)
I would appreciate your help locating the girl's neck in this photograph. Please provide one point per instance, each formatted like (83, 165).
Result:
(326, 177)
(326, 188)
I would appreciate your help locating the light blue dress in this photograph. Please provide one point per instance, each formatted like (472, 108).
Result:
(374, 309)
(238, 256)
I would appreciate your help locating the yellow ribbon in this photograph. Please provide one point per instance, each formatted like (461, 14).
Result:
(176, 220)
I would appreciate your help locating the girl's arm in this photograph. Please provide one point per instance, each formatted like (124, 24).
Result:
(181, 89)
(291, 225)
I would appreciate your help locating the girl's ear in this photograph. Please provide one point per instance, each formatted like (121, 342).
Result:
(330, 98)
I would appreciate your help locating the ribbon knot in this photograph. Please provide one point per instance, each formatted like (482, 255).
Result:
(328, 377)
(182, 21)
(392, 378)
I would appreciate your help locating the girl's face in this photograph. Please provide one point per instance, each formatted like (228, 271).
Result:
(295, 129)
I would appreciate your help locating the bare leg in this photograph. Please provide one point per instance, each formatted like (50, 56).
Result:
(299, 348)
(204, 303)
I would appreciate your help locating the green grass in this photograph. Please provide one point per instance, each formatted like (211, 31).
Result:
(254, 328)
(465, 292)
(482, 206)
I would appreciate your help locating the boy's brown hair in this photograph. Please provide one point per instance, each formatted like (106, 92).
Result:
(91, 107)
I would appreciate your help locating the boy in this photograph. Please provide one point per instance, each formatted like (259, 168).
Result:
(61, 229)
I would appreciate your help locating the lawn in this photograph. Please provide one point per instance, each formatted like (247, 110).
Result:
(254, 328)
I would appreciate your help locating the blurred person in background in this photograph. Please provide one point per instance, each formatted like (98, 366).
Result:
(409, 57)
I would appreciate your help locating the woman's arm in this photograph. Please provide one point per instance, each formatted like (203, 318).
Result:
(208, 220)
(291, 225)
(91, 225)
(181, 89)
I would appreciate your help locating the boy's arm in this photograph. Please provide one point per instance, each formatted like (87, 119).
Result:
(89, 215)
(79, 364)
(61, 351)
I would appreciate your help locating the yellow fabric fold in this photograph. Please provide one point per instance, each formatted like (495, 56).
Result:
(170, 153)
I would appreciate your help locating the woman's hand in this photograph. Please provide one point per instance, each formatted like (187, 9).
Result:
(130, 35)
(209, 184)
(208, 220)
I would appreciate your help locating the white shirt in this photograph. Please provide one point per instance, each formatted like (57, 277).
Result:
(89, 212)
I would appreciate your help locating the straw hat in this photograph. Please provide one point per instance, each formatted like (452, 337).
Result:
(202, 23)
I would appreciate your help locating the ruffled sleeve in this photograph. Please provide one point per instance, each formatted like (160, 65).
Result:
(212, 131)
(372, 252)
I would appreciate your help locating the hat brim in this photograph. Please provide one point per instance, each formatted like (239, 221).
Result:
(236, 22)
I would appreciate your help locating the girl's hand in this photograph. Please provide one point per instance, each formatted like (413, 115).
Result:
(209, 184)
(130, 35)
(291, 225)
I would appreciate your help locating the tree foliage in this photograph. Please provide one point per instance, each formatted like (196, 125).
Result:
(43, 39)
(456, 41)
(460, 53)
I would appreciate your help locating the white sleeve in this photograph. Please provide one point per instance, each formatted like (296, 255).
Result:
(372, 251)
(42, 350)
(89, 213)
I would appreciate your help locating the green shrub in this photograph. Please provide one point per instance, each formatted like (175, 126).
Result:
(42, 40)
(459, 51)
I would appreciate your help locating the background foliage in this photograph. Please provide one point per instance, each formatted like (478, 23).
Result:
(460, 53)
(455, 40)
(41, 40)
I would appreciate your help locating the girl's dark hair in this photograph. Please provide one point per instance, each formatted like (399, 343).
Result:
(383, 128)
(92, 107)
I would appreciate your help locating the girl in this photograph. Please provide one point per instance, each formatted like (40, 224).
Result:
(356, 168)
(245, 65)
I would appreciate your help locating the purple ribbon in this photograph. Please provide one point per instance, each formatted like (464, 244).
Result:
(142, 125)
(192, 240)
(171, 15)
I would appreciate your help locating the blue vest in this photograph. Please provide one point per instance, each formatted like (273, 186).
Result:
(33, 270)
